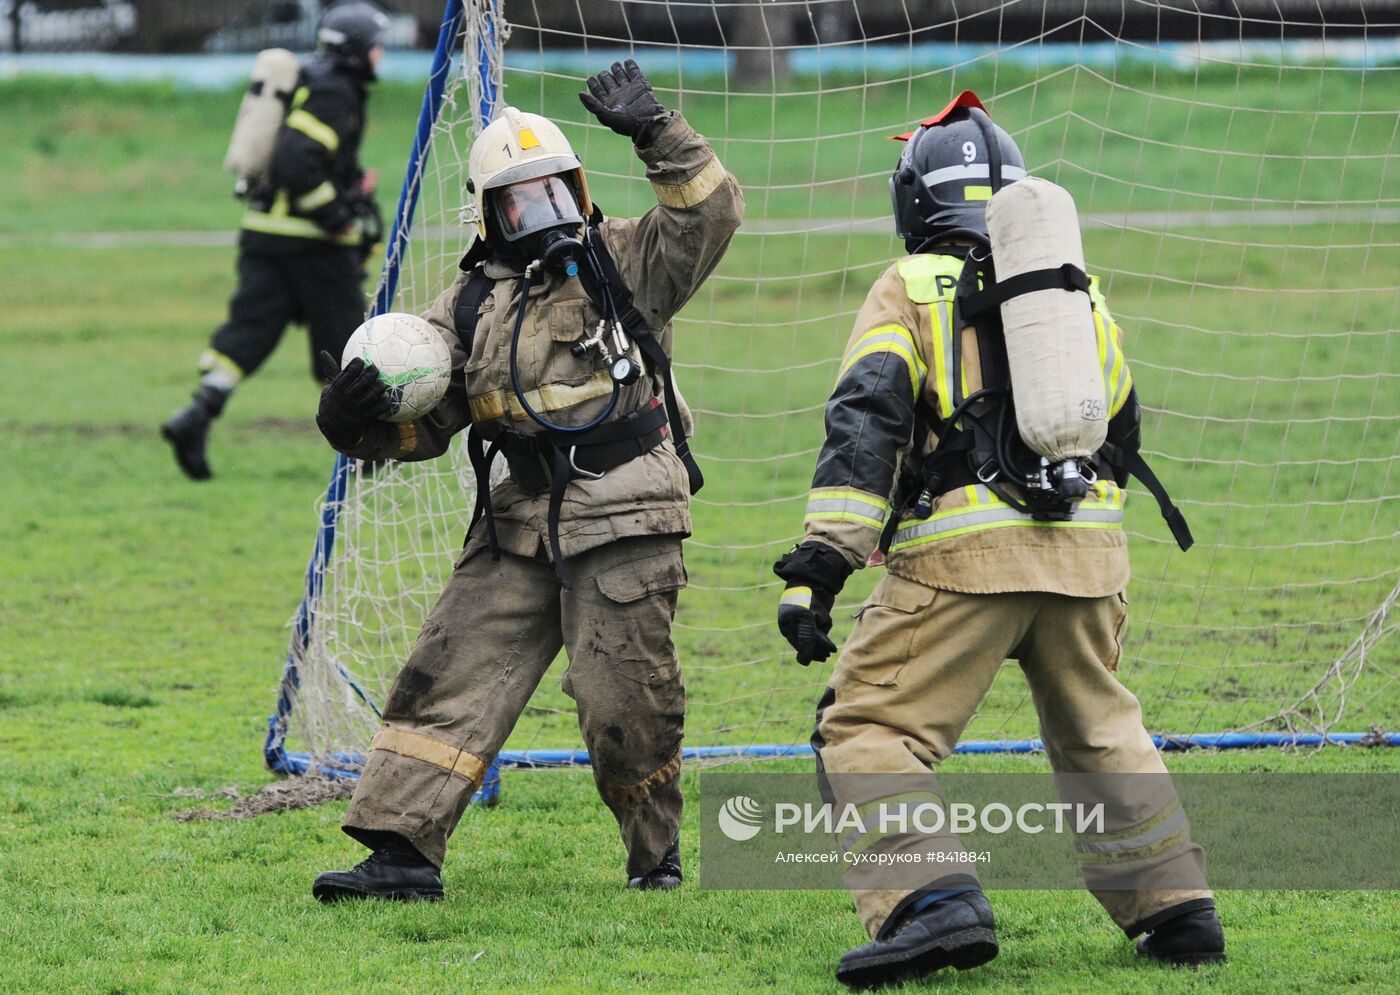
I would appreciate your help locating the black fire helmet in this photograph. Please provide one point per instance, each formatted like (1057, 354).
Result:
(349, 31)
(950, 167)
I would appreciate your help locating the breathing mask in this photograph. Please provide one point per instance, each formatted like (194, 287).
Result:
(541, 218)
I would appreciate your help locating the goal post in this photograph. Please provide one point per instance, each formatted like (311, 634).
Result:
(1234, 175)
(347, 761)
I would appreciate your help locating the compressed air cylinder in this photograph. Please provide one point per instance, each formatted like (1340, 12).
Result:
(260, 115)
(1051, 345)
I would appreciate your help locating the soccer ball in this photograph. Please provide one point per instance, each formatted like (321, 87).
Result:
(412, 358)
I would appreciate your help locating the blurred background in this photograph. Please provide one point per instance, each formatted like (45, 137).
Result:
(180, 26)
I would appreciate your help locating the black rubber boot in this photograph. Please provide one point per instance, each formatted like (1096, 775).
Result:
(188, 429)
(1188, 940)
(666, 875)
(957, 932)
(394, 871)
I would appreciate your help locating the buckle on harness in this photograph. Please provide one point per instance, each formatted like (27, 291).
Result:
(578, 469)
(988, 476)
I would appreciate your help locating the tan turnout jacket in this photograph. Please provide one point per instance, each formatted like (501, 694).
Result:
(901, 351)
(663, 257)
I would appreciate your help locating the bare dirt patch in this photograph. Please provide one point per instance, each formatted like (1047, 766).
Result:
(279, 796)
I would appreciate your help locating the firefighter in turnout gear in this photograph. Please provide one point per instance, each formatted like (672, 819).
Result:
(309, 225)
(560, 328)
(981, 566)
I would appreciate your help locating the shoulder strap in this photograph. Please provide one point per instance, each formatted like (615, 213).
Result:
(984, 417)
(640, 332)
(467, 310)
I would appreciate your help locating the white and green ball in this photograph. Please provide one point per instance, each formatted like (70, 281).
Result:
(412, 358)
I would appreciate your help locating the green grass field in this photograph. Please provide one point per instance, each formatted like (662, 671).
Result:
(143, 619)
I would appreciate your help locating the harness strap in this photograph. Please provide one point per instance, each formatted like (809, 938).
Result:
(591, 453)
(1132, 462)
(603, 448)
(941, 472)
(640, 332)
(481, 468)
(560, 472)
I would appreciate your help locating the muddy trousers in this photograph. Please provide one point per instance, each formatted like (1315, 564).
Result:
(917, 666)
(496, 628)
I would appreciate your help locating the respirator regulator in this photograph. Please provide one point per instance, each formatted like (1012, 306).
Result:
(562, 252)
(559, 252)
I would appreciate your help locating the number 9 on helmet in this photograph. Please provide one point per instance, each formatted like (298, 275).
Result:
(412, 358)
(950, 167)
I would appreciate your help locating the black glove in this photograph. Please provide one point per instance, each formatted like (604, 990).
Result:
(352, 402)
(815, 574)
(623, 100)
(371, 223)
(334, 218)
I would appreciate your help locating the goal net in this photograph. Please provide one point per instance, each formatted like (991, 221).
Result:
(1236, 168)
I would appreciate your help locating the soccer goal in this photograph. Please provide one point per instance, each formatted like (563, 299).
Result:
(1235, 168)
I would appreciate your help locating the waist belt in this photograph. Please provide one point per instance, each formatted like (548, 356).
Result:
(540, 461)
(946, 470)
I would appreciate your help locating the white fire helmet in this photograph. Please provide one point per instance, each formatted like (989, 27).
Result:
(516, 147)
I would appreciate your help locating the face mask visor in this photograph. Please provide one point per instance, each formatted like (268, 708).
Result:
(531, 206)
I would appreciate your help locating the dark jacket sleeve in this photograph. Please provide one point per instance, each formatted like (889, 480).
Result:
(869, 424)
(324, 117)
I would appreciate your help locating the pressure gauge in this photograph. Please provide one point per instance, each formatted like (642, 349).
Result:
(625, 371)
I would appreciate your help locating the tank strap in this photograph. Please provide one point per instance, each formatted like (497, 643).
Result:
(1066, 277)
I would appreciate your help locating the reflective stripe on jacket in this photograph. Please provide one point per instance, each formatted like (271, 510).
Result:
(314, 176)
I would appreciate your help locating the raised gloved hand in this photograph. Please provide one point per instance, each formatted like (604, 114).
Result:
(623, 100)
(815, 574)
(352, 401)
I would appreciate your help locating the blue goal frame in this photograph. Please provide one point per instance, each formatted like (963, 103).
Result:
(275, 754)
